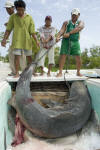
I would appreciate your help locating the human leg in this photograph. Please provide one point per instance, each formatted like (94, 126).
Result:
(61, 64)
(51, 60)
(78, 65)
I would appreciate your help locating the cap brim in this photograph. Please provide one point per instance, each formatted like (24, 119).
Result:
(75, 14)
(8, 6)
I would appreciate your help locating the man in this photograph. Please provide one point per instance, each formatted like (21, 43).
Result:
(47, 35)
(70, 43)
(10, 10)
(23, 29)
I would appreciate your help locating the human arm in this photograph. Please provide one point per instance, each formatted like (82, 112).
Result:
(42, 36)
(62, 31)
(51, 36)
(35, 38)
(6, 24)
(76, 30)
(48, 39)
(32, 31)
(6, 36)
(9, 28)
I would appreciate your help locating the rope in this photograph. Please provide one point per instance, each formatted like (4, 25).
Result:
(37, 60)
(69, 48)
(67, 65)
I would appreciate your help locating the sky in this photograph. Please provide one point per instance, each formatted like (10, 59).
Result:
(60, 10)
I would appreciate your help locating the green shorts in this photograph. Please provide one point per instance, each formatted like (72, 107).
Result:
(70, 47)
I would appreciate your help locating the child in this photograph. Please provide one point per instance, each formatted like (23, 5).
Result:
(23, 29)
(47, 34)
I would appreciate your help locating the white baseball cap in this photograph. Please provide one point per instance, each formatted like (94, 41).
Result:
(9, 4)
(75, 11)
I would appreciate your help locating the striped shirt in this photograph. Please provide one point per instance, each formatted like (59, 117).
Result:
(46, 33)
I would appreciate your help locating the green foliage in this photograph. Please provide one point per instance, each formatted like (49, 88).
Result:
(1, 36)
(90, 59)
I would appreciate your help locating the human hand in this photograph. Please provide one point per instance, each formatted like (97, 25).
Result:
(3, 43)
(66, 35)
(38, 44)
(6, 24)
(57, 39)
(42, 39)
(46, 47)
(45, 41)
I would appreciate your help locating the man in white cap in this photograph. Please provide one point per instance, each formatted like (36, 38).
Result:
(9, 5)
(70, 44)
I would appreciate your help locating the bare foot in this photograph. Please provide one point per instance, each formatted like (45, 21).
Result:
(16, 76)
(79, 74)
(48, 74)
(11, 74)
(59, 75)
(35, 75)
(41, 74)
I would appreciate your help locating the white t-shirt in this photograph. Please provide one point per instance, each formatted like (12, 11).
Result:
(46, 33)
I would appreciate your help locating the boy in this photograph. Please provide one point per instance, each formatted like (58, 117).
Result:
(9, 5)
(23, 29)
(47, 35)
